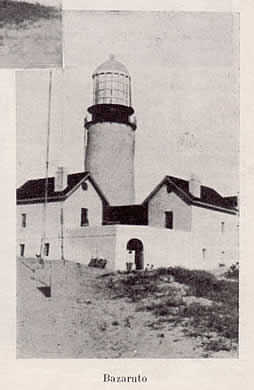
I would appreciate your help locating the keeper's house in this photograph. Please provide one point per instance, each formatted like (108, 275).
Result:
(179, 223)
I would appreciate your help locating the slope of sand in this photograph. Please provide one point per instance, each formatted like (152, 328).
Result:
(81, 321)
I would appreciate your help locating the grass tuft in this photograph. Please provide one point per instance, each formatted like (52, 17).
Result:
(232, 272)
(206, 285)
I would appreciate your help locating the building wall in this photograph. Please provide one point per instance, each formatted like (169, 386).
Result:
(82, 199)
(162, 247)
(209, 245)
(220, 246)
(110, 160)
(182, 245)
(96, 241)
(163, 201)
(32, 233)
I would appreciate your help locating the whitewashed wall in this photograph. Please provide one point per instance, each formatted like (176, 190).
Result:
(100, 241)
(163, 201)
(110, 160)
(162, 247)
(32, 233)
(207, 234)
(72, 208)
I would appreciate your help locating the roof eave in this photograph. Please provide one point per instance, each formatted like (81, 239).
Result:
(214, 207)
(189, 200)
(67, 195)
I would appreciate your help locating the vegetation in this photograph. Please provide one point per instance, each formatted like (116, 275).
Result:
(18, 12)
(210, 314)
(233, 272)
(205, 284)
(97, 263)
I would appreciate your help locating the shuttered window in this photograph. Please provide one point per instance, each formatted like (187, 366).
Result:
(84, 217)
(46, 249)
(169, 219)
(22, 250)
(23, 220)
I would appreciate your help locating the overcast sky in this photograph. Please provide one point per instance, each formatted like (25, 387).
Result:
(184, 69)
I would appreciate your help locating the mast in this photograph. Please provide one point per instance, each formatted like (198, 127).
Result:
(62, 234)
(62, 208)
(44, 227)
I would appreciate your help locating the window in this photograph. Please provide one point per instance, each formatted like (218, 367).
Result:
(169, 219)
(84, 186)
(46, 249)
(222, 263)
(23, 220)
(84, 217)
(22, 250)
(222, 227)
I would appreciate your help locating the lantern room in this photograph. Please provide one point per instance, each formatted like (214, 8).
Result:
(112, 83)
(111, 95)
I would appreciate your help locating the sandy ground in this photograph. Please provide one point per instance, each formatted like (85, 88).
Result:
(80, 321)
(34, 45)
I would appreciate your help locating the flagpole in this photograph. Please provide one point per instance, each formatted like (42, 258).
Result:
(47, 169)
(62, 234)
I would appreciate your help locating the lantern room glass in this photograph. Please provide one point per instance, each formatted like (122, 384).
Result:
(111, 88)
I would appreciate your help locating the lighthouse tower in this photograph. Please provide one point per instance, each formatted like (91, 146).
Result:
(110, 128)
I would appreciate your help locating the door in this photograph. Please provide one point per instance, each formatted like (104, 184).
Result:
(136, 245)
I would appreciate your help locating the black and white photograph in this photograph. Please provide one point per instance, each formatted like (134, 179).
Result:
(128, 190)
(30, 34)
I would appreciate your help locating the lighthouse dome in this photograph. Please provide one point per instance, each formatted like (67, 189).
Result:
(111, 65)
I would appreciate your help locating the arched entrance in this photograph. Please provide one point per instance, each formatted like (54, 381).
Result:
(136, 245)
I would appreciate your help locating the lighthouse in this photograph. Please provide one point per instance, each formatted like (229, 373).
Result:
(110, 133)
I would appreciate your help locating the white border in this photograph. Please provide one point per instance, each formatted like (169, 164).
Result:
(164, 374)
(163, 5)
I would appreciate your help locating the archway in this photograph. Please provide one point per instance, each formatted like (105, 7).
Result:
(136, 245)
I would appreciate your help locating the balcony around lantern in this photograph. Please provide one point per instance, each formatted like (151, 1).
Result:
(111, 113)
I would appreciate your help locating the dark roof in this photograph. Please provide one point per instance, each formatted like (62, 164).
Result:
(208, 196)
(33, 191)
(125, 215)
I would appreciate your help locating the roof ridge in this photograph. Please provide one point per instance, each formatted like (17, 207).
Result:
(52, 177)
(34, 190)
(209, 196)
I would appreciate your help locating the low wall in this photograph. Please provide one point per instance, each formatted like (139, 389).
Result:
(98, 241)
(165, 247)
(162, 247)
(79, 245)
(212, 249)
(33, 246)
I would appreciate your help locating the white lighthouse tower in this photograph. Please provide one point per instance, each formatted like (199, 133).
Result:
(111, 133)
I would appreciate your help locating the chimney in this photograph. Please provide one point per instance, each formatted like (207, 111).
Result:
(195, 186)
(60, 179)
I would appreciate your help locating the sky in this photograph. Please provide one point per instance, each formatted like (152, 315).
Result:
(185, 93)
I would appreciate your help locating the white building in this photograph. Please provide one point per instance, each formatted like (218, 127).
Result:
(92, 214)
